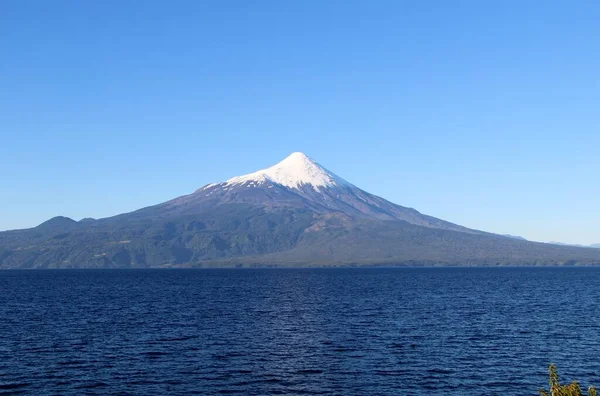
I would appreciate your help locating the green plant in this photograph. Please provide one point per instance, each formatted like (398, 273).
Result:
(572, 389)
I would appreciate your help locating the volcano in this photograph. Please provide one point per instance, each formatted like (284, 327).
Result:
(295, 213)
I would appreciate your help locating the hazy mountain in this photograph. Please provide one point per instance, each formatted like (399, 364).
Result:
(294, 213)
(564, 244)
(596, 245)
(515, 237)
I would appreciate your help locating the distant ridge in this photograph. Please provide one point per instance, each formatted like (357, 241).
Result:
(515, 237)
(58, 222)
(595, 246)
(294, 213)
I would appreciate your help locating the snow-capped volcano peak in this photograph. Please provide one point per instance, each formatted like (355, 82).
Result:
(293, 172)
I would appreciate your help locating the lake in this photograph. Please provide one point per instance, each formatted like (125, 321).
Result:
(380, 331)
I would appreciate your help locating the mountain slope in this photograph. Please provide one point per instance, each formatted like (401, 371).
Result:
(300, 182)
(294, 213)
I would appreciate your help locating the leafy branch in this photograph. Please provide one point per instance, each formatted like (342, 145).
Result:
(572, 389)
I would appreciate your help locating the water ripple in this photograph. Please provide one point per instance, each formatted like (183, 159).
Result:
(314, 332)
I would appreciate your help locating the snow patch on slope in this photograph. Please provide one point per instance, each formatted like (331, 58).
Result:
(293, 172)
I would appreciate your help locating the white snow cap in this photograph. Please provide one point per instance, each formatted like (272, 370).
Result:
(293, 172)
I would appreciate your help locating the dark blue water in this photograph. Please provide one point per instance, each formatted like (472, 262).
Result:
(306, 331)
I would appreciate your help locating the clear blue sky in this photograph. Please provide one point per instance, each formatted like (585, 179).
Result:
(484, 113)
